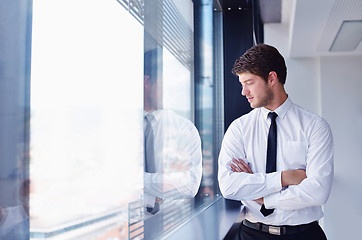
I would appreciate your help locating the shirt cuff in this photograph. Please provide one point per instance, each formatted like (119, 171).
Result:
(273, 182)
(271, 200)
(149, 200)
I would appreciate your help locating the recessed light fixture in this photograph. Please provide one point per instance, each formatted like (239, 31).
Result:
(348, 37)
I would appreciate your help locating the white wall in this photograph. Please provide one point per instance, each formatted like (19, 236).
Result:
(303, 83)
(341, 93)
(332, 88)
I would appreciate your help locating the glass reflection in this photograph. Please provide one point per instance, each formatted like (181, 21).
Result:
(172, 144)
(172, 152)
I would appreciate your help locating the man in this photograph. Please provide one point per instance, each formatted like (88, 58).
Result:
(279, 165)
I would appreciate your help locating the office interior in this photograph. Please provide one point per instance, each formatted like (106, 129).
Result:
(78, 78)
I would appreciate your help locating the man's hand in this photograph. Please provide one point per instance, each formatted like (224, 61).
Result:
(289, 177)
(260, 200)
(293, 177)
(238, 165)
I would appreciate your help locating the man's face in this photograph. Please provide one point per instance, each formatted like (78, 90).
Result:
(256, 90)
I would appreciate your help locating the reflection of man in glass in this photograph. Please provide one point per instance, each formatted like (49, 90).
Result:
(173, 158)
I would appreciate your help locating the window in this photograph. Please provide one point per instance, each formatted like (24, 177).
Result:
(86, 117)
(102, 72)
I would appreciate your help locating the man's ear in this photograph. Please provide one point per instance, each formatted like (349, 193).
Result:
(273, 78)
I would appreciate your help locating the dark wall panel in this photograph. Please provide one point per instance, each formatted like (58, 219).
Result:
(238, 37)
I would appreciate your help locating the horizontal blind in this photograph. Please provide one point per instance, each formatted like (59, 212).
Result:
(172, 27)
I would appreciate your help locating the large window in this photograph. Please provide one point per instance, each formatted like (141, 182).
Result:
(121, 133)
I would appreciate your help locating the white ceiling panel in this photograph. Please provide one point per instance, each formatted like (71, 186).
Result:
(314, 26)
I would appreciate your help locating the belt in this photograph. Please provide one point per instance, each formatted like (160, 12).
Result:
(278, 230)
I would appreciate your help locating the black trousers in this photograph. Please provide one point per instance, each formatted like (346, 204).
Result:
(313, 233)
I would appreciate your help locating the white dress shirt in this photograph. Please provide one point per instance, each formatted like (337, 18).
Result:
(304, 141)
(178, 158)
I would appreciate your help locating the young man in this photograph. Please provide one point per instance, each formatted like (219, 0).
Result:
(277, 159)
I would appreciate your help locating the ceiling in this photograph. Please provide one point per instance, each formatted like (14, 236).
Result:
(314, 25)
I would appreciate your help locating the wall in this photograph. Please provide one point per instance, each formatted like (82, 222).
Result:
(237, 39)
(302, 73)
(330, 87)
(341, 86)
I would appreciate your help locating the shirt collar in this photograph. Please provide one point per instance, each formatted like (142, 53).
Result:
(281, 110)
(156, 114)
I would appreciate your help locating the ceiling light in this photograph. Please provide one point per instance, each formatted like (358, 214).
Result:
(348, 37)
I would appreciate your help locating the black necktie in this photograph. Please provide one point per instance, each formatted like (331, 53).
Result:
(271, 155)
(149, 145)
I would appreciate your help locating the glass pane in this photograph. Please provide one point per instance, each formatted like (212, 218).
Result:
(86, 118)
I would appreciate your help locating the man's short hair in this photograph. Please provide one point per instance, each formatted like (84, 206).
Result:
(260, 60)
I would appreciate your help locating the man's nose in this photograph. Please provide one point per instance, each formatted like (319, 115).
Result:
(244, 91)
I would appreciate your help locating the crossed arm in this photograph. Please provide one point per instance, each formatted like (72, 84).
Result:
(306, 188)
(289, 177)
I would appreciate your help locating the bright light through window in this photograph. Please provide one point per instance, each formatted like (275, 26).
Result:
(86, 112)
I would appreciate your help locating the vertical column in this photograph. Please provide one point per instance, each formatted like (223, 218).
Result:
(153, 101)
(238, 37)
(218, 128)
(153, 53)
(204, 94)
(15, 44)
